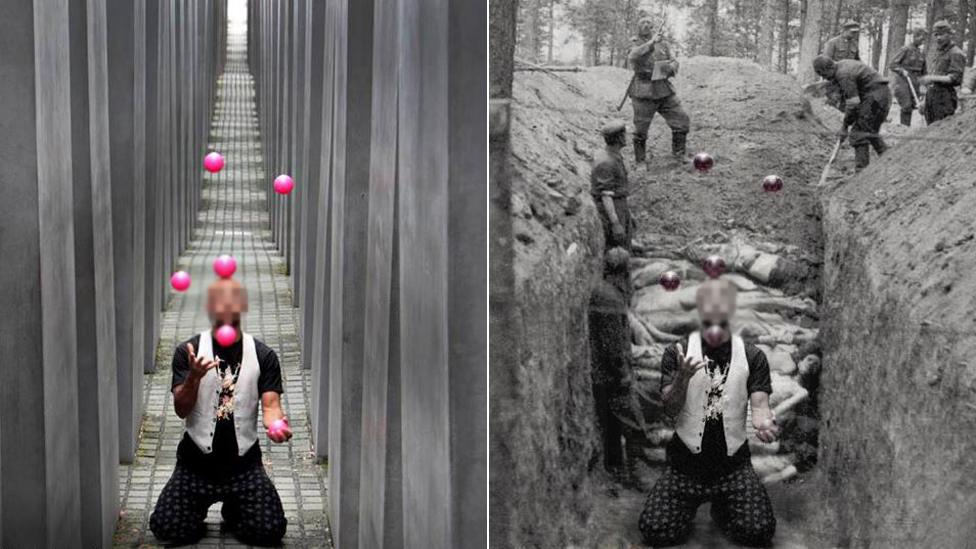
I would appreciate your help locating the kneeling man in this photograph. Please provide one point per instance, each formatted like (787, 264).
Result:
(707, 391)
(216, 391)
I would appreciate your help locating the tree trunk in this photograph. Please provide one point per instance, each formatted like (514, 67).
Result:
(767, 26)
(501, 53)
(877, 35)
(962, 22)
(532, 25)
(897, 26)
(835, 27)
(934, 12)
(803, 22)
(810, 44)
(552, 25)
(711, 17)
(784, 39)
(971, 45)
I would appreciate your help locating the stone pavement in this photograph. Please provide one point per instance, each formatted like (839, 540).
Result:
(233, 219)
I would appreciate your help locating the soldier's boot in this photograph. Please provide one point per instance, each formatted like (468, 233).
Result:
(862, 157)
(906, 118)
(640, 149)
(679, 146)
(879, 146)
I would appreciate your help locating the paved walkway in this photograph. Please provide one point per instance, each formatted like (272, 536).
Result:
(233, 219)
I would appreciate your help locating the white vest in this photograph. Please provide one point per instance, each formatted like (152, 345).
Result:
(690, 424)
(201, 421)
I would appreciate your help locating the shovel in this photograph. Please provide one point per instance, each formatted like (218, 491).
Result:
(833, 156)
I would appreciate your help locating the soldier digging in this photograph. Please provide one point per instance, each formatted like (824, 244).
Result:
(945, 70)
(651, 91)
(609, 187)
(908, 64)
(866, 99)
(844, 45)
(618, 414)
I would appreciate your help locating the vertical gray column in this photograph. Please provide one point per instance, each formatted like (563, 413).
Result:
(308, 191)
(151, 175)
(39, 398)
(322, 303)
(350, 208)
(121, 108)
(380, 494)
(98, 411)
(467, 268)
(299, 158)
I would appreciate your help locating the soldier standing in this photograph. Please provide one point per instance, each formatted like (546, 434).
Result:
(651, 91)
(609, 187)
(866, 99)
(945, 69)
(618, 414)
(909, 64)
(844, 45)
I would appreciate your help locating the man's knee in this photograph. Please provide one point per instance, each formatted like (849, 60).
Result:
(756, 532)
(170, 526)
(263, 529)
(659, 530)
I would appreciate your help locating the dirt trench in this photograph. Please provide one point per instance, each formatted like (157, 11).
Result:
(754, 124)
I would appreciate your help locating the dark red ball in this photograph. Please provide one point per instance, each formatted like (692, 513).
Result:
(772, 183)
(713, 266)
(669, 280)
(703, 162)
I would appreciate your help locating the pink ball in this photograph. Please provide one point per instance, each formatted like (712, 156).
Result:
(278, 426)
(669, 280)
(713, 266)
(213, 162)
(283, 184)
(226, 335)
(713, 336)
(180, 281)
(224, 266)
(703, 162)
(772, 183)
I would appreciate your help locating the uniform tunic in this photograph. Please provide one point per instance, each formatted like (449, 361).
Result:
(868, 98)
(911, 60)
(650, 97)
(941, 99)
(838, 48)
(609, 178)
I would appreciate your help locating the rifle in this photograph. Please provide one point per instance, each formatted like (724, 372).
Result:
(632, 78)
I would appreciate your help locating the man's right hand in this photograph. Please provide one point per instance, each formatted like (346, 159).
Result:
(688, 365)
(199, 366)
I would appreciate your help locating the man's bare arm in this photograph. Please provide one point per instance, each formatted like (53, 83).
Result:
(271, 412)
(674, 394)
(762, 417)
(185, 394)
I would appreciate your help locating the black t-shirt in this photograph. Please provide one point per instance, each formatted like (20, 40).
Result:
(713, 459)
(224, 459)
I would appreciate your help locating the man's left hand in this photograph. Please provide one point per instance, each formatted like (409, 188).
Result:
(280, 435)
(766, 428)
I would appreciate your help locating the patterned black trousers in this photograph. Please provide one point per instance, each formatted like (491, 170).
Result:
(252, 508)
(740, 506)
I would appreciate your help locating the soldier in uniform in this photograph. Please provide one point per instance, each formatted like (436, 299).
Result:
(844, 45)
(909, 65)
(651, 91)
(945, 69)
(617, 411)
(609, 187)
(866, 99)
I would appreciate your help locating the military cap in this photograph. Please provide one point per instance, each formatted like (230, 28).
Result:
(851, 24)
(942, 26)
(613, 128)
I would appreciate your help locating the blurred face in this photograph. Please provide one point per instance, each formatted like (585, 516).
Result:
(226, 303)
(716, 305)
(918, 39)
(645, 27)
(851, 33)
(942, 37)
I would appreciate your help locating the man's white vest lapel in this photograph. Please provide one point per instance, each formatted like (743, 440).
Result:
(202, 420)
(690, 425)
